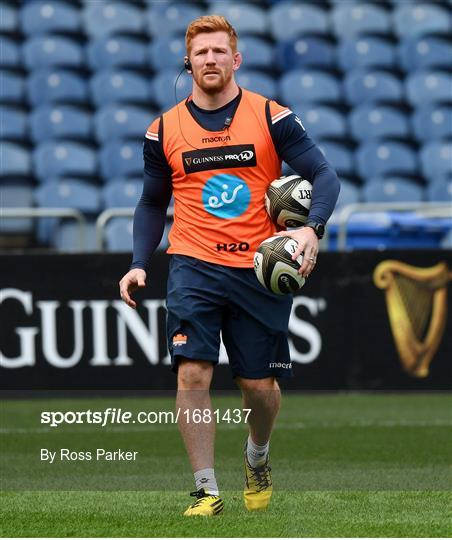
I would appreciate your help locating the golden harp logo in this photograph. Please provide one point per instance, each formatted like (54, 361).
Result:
(416, 300)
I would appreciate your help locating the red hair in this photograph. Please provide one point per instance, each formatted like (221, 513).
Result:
(209, 24)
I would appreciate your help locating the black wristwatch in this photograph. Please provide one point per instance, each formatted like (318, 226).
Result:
(318, 228)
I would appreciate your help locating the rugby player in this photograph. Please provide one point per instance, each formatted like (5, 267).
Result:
(216, 152)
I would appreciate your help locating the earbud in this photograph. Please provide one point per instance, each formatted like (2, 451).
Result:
(187, 64)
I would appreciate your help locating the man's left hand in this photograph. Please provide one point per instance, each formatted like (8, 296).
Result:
(308, 245)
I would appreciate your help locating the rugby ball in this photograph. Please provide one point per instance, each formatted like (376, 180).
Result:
(274, 267)
(288, 200)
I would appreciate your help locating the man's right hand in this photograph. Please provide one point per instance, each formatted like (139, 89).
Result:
(133, 280)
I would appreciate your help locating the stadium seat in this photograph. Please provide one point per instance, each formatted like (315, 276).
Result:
(9, 21)
(45, 86)
(13, 123)
(167, 52)
(63, 158)
(14, 194)
(321, 121)
(162, 88)
(436, 159)
(365, 52)
(440, 190)
(257, 81)
(47, 51)
(119, 86)
(393, 189)
(339, 156)
(376, 86)
(13, 87)
(122, 193)
(108, 17)
(350, 193)
(69, 193)
(309, 86)
(305, 52)
(428, 86)
(119, 158)
(172, 16)
(66, 237)
(114, 121)
(10, 56)
(245, 18)
(117, 51)
(383, 158)
(256, 52)
(432, 122)
(351, 18)
(417, 19)
(119, 234)
(371, 121)
(424, 52)
(289, 20)
(15, 160)
(47, 16)
(60, 122)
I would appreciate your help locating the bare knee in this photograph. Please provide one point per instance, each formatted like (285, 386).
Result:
(194, 375)
(255, 386)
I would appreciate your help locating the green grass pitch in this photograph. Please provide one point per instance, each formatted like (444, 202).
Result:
(343, 465)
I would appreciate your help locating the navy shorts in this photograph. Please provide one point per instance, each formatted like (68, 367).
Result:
(204, 299)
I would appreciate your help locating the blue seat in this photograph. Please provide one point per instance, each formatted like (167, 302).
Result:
(122, 193)
(245, 18)
(47, 16)
(46, 86)
(15, 160)
(370, 121)
(305, 52)
(440, 190)
(340, 157)
(47, 51)
(436, 159)
(60, 122)
(10, 56)
(101, 18)
(366, 51)
(351, 18)
(321, 121)
(172, 16)
(113, 122)
(383, 158)
(257, 81)
(66, 237)
(256, 51)
(13, 123)
(162, 87)
(9, 21)
(63, 158)
(119, 234)
(392, 189)
(420, 52)
(119, 86)
(16, 195)
(309, 86)
(117, 51)
(375, 86)
(69, 193)
(432, 121)
(289, 20)
(428, 86)
(167, 52)
(417, 19)
(350, 193)
(13, 87)
(121, 158)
